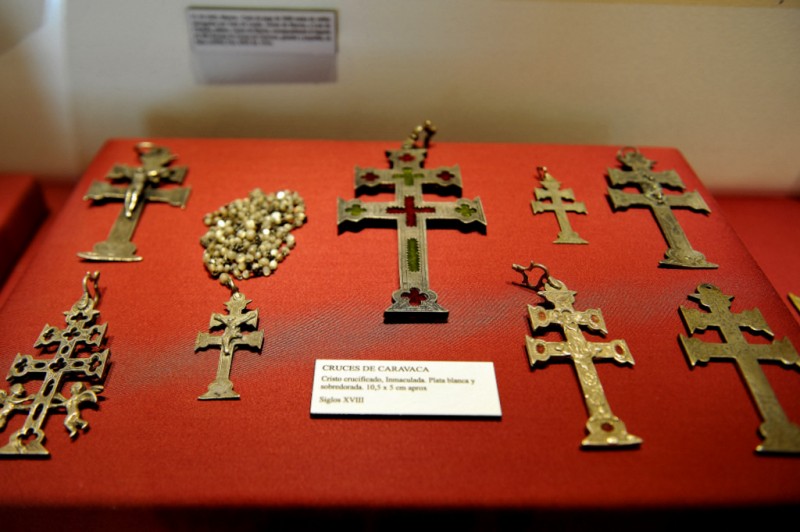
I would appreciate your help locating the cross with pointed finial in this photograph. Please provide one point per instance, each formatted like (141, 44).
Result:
(73, 357)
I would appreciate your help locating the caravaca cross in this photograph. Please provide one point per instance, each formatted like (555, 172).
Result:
(144, 181)
(74, 358)
(603, 427)
(232, 338)
(651, 184)
(780, 434)
(407, 177)
(560, 203)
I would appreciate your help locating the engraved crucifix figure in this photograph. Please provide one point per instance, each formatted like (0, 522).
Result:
(680, 253)
(560, 202)
(74, 357)
(411, 214)
(232, 338)
(603, 427)
(144, 180)
(779, 433)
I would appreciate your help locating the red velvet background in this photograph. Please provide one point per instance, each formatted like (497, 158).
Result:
(153, 444)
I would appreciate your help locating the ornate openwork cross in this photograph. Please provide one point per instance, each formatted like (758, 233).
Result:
(680, 253)
(73, 357)
(232, 338)
(552, 191)
(410, 213)
(780, 435)
(603, 427)
(144, 180)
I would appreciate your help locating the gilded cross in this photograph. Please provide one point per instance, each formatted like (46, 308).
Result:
(779, 433)
(652, 196)
(231, 339)
(410, 213)
(73, 357)
(155, 170)
(560, 202)
(604, 428)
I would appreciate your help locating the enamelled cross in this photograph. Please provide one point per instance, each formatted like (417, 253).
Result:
(780, 434)
(232, 338)
(552, 191)
(414, 300)
(680, 253)
(603, 427)
(73, 357)
(154, 171)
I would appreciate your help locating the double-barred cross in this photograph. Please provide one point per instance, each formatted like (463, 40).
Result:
(560, 203)
(144, 180)
(680, 253)
(407, 177)
(73, 357)
(779, 433)
(231, 339)
(603, 427)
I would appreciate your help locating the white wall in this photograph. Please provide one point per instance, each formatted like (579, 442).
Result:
(720, 83)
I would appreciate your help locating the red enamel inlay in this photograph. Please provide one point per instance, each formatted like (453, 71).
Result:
(415, 298)
(411, 211)
(445, 175)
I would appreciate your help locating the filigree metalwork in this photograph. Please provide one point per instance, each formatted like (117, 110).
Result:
(74, 357)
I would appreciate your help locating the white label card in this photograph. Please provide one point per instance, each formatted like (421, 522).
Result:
(405, 388)
(263, 45)
(267, 30)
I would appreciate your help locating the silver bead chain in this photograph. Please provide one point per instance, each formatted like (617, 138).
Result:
(250, 236)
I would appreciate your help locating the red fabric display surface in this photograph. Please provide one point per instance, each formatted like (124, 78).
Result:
(152, 444)
(22, 209)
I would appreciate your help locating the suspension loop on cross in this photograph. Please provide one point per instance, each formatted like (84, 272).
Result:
(542, 172)
(227, 281)
(144, 147)
(91, 292)
(631, 157)
(545, 278)
(428, 128)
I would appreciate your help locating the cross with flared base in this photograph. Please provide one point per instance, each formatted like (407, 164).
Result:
(603, 427)
(410, 213)
(231, 339)
(155, 169)
(69, 360)
(680, 253)
(780, 435)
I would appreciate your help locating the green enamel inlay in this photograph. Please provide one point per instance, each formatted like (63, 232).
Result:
(465, 210)
(407, 176)
(356, 210)
(412, 248)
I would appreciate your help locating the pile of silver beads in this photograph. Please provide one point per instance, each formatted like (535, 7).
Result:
(250, 236)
